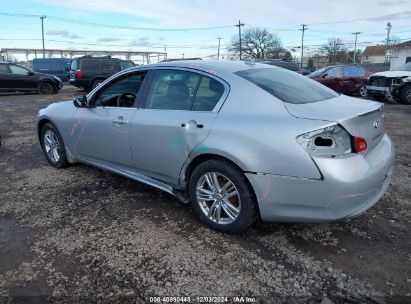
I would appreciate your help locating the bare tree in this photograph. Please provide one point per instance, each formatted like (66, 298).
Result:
(258, 43)
(334, 49)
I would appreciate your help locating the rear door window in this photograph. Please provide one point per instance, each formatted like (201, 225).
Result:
(208, 94)
(172, 90)
(108, 65)
(90, 65)
(288, 86)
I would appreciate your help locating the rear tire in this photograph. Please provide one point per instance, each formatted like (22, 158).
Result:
(228, 205)
(96, 83)
(405, 95)
(45, 88)
(53, 146)
(362, 91)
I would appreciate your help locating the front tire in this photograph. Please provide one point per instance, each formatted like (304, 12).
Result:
(405, 95)
(53, 146)
(222, 197)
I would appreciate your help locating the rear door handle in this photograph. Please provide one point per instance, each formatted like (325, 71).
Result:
(120, 121)
(192, 122)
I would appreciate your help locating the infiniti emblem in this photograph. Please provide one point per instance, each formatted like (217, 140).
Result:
(376, 124)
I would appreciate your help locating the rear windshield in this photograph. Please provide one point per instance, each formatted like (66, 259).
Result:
(288, 86)
(74, 65)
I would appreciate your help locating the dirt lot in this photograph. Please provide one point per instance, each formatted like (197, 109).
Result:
(81, 234)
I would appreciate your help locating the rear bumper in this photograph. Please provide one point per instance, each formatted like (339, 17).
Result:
(350, 186)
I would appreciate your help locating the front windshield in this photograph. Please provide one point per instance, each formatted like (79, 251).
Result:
(405, 67)
(318, 72)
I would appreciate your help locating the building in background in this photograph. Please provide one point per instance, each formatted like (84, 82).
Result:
(401, 54)
(374, 54)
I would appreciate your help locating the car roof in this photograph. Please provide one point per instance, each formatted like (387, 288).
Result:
(211, 65)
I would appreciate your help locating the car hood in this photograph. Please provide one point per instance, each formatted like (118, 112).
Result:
(392, 74)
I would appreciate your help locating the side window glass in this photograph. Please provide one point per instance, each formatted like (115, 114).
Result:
(121, 93)
(15, 69)
(172, 90)
(208, 94)
(4, 68)
(335, 72)
(108, 65)
(90, 65)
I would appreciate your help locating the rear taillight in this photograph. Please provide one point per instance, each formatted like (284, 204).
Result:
(79, 74)
(332, 141)
(360, 144)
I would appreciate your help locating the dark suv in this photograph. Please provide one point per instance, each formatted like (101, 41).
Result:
(17, 78)
(88, 72)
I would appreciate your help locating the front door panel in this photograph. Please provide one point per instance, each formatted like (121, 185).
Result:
(103, 134)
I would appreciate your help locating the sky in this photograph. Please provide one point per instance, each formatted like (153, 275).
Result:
(192, 27)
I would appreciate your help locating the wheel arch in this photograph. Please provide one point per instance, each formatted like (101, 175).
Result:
(201, 158)
(40, 124)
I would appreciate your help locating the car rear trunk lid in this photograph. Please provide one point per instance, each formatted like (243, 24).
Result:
(361, 118)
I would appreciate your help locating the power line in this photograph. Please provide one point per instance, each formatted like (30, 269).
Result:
(118, 26)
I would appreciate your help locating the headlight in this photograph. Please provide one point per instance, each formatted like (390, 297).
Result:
(331, 141)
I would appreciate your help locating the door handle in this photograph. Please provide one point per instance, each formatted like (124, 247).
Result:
(193, 123)
(120, 121)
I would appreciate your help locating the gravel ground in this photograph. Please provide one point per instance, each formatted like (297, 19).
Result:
(84, 235)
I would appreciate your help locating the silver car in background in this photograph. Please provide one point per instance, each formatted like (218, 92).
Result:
(239, 140)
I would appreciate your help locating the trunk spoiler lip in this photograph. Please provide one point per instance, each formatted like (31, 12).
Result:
(373, 111)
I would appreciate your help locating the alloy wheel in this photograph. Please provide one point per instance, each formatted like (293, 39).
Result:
(218, 198)
(51, 146)
(363, 91)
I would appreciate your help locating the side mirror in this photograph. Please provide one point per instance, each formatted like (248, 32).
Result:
(30, 73)
(80, 102)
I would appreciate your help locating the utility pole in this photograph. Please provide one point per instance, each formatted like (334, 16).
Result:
(388, 40)
(182, 55)
(42, 34)
(239, 33)
(218, 50)
(355, 43)
(302, 42)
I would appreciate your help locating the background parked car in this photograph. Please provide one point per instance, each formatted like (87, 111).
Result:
(345, 79)
(289, 65)
(397, 83)
(87, 72)
(14, 78)
(59, 67)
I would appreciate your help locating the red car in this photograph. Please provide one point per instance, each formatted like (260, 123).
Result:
(345, 79)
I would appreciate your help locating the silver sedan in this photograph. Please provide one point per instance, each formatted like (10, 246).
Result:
(239, 140)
